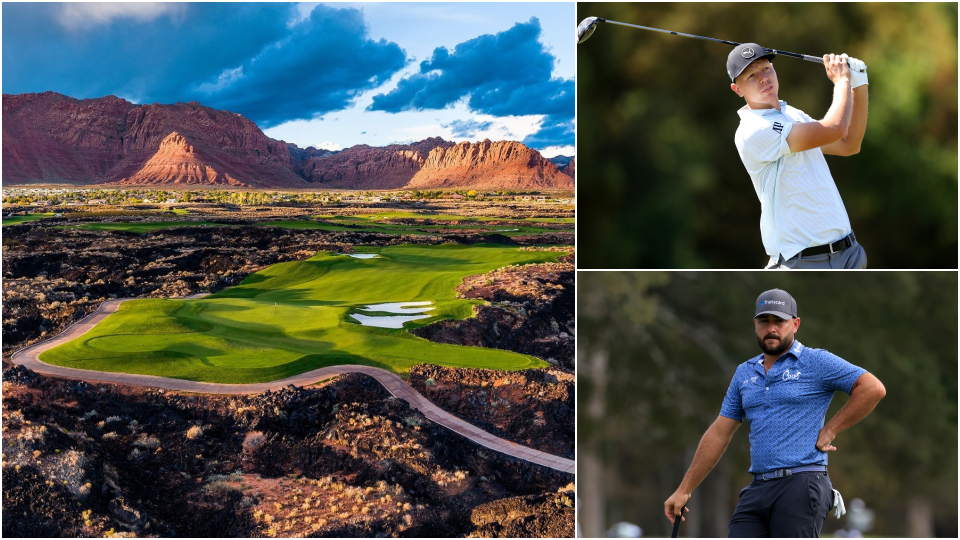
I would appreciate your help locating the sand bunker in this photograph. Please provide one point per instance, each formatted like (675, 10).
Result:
(364, 255)
(400, 307)
(395, 321)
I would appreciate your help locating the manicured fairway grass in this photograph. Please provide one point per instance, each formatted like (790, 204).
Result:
(389, 228)
(16, 220)
(293, 317)
(380, 216)
(142, 227)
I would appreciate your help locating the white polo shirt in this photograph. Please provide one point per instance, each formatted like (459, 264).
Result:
(800, 206)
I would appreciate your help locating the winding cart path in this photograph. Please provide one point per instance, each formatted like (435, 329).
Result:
(29, 357)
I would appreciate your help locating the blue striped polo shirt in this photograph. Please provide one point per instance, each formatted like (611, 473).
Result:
(787, 405)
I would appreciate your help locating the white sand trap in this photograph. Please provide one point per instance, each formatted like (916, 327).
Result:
(400, 307)
(395, 321)
(364, 255)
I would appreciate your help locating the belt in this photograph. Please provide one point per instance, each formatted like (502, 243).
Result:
(835, 247)
(781, 473)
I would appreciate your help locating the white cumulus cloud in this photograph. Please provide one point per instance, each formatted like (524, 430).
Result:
(85, 15)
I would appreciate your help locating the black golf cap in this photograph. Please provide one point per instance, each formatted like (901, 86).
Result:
(743, 55)
(776, 302)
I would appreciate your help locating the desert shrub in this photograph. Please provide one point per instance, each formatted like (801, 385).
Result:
(147, 441)
(195, 432)
(253, 441)
(225, 482)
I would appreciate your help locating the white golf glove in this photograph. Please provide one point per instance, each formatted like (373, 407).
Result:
(858, 71)
(838, 508)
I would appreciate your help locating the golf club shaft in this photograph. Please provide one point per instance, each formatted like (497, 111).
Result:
(676, 524)
(806, 57)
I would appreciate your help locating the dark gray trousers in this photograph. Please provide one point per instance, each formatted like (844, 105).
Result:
(854, 257)
(790, 507)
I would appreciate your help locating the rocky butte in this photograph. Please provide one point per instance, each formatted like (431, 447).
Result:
(50, 138)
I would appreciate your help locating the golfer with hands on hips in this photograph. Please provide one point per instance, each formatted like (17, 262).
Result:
(803, 223)
(784, 393)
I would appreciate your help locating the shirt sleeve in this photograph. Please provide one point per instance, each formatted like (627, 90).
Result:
(837, 374)
(763, 142)
(733, 403)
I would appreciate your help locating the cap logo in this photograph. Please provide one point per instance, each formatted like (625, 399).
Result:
(765, 302)
(747, 53)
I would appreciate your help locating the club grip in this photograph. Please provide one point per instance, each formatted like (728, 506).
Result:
(819, 60)
(676, 524)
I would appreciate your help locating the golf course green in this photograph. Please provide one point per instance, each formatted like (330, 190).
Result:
(381, 216)
(389, 228)
(366, 223)
(16, 220)
(296, 316)
(141, 227)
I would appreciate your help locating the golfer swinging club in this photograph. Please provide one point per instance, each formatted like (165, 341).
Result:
(784, 393)
(803, 223)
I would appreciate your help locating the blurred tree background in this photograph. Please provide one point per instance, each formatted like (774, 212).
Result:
(660, 182)
(656, 352)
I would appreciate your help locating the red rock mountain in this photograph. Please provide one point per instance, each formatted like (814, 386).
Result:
(52, 138)
(489, 165)
(55, 139)
(368, 167)
(571, 168)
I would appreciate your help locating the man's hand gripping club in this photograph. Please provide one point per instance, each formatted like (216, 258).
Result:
(712, 445)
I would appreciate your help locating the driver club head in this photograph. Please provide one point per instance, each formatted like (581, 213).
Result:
(586, 28)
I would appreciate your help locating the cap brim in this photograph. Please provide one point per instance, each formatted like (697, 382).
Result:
(780, 314)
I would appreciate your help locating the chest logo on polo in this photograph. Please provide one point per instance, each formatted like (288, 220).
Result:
(778, 127)
(788, 376)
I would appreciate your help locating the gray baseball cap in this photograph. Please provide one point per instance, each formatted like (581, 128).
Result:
(776, 302)
(743, 55)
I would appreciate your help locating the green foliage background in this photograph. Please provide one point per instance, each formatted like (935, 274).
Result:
(660, 184)
(672, 341)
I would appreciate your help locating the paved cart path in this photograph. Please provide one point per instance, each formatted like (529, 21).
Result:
(29, 357)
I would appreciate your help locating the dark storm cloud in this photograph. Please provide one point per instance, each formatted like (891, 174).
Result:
(325, 62)
(502, 75)
(467, 128)
(246, 58)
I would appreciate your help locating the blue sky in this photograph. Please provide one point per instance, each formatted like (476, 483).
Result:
(330, 75)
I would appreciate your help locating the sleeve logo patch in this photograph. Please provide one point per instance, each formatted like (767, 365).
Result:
(778, 127)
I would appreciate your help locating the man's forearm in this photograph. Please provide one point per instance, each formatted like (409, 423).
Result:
(838, 116)
(863, 399)
(711, 448)
(858, 119)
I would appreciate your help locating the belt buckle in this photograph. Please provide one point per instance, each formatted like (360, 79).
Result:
(831, 248)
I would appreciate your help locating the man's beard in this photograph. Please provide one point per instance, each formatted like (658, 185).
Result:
(782, 346)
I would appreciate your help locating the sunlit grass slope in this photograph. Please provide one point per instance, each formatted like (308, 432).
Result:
(293, 317)
(16, 220)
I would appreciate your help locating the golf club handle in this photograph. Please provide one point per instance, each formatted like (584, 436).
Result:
(676, 523)
(806, 57)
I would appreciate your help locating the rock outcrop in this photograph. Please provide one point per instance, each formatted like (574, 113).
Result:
(489, 165)
(571, 168)
(178, 162)
(50, 138)
(367, 167)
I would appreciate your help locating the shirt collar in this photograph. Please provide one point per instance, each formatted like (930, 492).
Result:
(745, 111)
(796, 350)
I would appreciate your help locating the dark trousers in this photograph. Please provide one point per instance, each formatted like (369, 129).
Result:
(790, 507)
